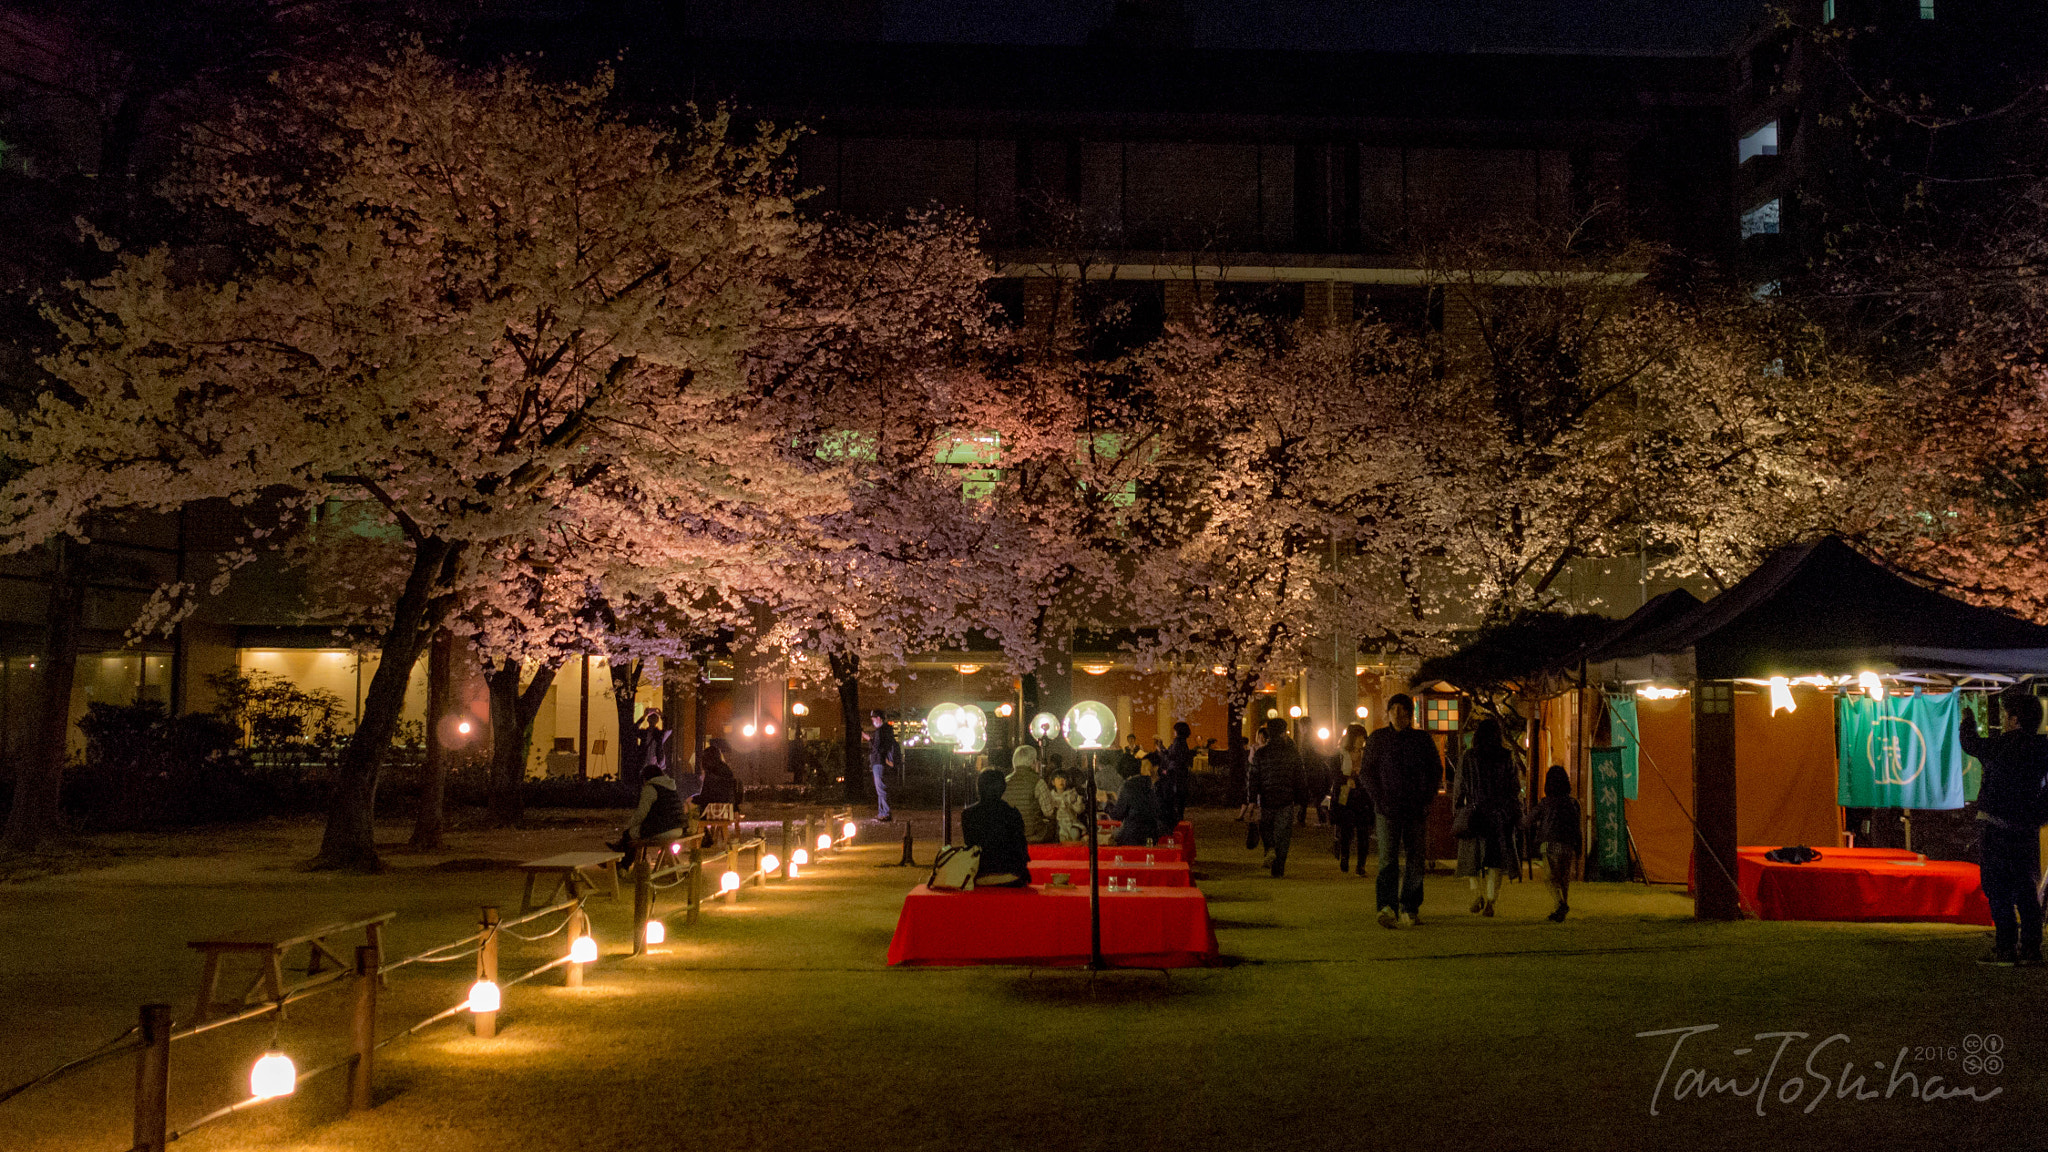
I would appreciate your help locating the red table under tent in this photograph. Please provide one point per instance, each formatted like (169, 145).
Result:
(1149, 928)
(1736, 703)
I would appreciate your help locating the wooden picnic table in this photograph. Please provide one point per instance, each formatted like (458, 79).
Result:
(568, 870)
(272, 942)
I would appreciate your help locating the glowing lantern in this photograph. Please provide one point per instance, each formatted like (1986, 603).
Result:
(800, 856)
(824, 841)
(1322, 733)
(1294, 713)
(485, 997)
(1005, 709)
(970, 729)
(1045, 725)
(730, 882)
(770, 863)
(1090, 726)
(1781, 695)
(768, 729)
(848, 829)
(273, 1075)
(676, 849)
(1272, 713)
(1872, 683)
(657, 932)
(941, 722)
(800, 709)
(583, 951)
(463, 727)
(1361, 711)
(747, 730)
(792, 873)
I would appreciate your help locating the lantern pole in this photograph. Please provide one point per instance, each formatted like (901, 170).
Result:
(1095, 963)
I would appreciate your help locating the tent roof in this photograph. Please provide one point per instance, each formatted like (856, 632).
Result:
(1656, 612)
(1823, 608)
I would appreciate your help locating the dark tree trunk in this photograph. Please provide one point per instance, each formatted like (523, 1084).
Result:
(512, 713)
(350, 840)
(625, 686)
(846, 671)
(428, 822)
(38, 813)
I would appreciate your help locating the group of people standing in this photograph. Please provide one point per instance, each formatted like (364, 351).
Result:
(1386, 783)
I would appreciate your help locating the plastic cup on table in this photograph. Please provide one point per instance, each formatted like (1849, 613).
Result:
(1149, 858)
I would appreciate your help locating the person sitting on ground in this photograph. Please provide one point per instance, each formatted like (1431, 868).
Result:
(1138, 808)
(1554, 825)
(660, 815)
(998, 830)
(1065, 806)
(1026, 792)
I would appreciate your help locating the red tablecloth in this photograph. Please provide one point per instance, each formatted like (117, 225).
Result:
(1166, 874)
(1150, 928)
(1862, 884)
(1182, 836)
(1107, 852)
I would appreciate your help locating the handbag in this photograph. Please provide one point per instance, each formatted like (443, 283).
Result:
(1467, 823)
(955, 869)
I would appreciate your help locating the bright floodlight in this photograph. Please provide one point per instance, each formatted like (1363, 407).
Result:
(1090, 726)
(583, 951)
(273, 1075)
(970, 729)
(770, 863)
(800, 856)
(824, 841)
(729, 882)
(463, 727)
(848, 829)
(1781, 695)
(1872, 683)
(657, 932)
(1045, 725)
(485, 997)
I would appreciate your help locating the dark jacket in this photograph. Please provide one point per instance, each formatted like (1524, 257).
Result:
(882, 747)
(1176, 781)
(719, 787)
(1401, 770)
(997, 829)
(1277, 777)
(2015, 769)
(661, 809)
(1555, 821)
(1138, 808)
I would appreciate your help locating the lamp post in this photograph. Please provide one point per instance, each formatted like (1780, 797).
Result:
(1091, 728)
(940, 726)
(970, 737)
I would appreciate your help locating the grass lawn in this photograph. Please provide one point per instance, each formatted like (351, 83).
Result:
(775, 1025)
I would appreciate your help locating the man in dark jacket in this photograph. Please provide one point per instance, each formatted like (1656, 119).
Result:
(883, 754)
(1176, 777)
(1402, 772)
(2009, 806)
(998, 830)
(1277, 785)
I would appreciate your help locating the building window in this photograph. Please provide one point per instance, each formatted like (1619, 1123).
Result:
(1762, 142)
(1440, 714)
(1761, 220)
(1927, 9)
(1827, 11)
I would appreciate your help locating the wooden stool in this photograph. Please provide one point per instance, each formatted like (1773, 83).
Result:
(568, 871)
(269, 944)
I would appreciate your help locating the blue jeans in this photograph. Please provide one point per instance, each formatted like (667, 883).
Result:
(881, 791)
(1279, 833)
(1401, 843)
(2010, 869)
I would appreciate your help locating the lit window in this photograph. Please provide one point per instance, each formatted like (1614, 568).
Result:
(1927, 9)
(1761, 220)
(1439, 714)
(1762, 142)
(1827, 11)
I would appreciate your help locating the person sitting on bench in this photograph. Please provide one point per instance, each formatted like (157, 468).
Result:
(998, 830)
(660, 815)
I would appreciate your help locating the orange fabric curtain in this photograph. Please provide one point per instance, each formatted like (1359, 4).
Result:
(1660, 818)
(1785, 771)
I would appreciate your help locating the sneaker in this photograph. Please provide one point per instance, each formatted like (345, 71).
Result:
(1478, 902)
(1410, 920)
(1998, 958)
(1557, 917)
(1386, 917)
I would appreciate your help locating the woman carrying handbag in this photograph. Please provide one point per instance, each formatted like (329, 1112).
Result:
(1486, 813)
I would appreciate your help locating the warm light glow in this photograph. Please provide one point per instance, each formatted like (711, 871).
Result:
(747, 730)
(1781, 695)
(800, 856)
(484, 997)
(1096, 669)
(1322, 733)
(792, 873)
(657, 932)
(848, 829)
(967, 669)
(1219, 670)
(768, 729)
(824, 841)
(583, 951)
(1090, 725)
(1654, 693)
(463, 727)
(1045, 725)
(1005, 709)
(676, 849)
(273, 1075)
(1294, 713)
(800, 709)
(1361, 711)
(729, 882)
(770, 863)
(1872, 683)
(1272, 713)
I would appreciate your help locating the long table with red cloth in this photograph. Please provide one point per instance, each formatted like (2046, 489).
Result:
(1076, 850)
(1162, 874)
(1149, 928)
(1182, 836)
(1862, 884)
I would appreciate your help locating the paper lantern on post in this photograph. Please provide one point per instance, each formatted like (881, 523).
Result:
(583, 951)
(800, 856)
(657, 932)
(769, 864)
(274, 1075)
(485, 996)
(824, 841)
(1045, 725)
(1090, 727)
(730, 882)
(970, 730)
(940, 722)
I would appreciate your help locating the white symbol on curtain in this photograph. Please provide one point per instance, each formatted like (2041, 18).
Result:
(1897, 750)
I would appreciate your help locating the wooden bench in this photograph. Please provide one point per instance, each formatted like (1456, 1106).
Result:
(270, 944)
(568, 871)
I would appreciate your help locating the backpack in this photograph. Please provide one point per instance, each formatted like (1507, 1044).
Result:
(955, 869)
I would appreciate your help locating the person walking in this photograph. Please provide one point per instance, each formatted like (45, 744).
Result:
(1403, 774)
(1554, 826)
(2010, 810)
(1486, 804)
(1350, 806)
(883, 754)
(1026, 792)
(1278, 785)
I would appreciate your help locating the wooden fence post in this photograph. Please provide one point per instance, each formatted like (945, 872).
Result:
(783, 856)
(732, 864)
(365, 1028)
(577, 929)
(153, 1079)
(690, 884)
(487, 969)
(643, 901)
